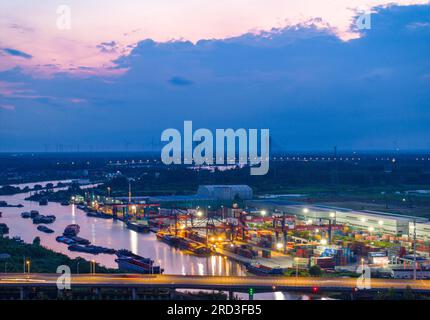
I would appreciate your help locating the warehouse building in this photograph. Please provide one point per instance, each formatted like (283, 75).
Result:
(422, 232)
(371, 221)
(225, 192)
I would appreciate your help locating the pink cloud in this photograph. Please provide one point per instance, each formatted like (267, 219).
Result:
(55, 50)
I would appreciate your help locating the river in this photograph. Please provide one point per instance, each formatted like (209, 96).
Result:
(114, 234)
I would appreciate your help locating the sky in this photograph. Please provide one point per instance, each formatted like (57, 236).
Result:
(126, 70)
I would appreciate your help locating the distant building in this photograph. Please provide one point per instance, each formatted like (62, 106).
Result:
(422, 230)
(207, 196)
(225, 192)
(371, 221)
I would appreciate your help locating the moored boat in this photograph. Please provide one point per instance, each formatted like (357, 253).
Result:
(128, 261)
(4, 229)
(167, 238)
(80, 240)
(81, 248)
(65, 240)
(26, 215)
(43, 219)
(34, 213)
(71, 230)
(45, 229)
(259, 269)
(138, 227)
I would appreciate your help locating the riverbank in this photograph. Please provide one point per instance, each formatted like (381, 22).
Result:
(41, 259)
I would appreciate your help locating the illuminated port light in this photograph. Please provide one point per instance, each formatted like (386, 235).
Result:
(305, 210)
(363, 219)
(199, 214)
(332, 214)
(263, 212)
(380, 222)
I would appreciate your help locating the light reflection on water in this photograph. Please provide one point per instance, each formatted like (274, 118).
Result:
(114, 234)
(109, 233)
(134, 241)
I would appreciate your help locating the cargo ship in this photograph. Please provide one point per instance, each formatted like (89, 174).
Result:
(183, 243)
(259, 269)
(43, 219)
(138, 227)
(167, 238)
(45, 229)
(80, 240)
(26, 215)
(131, 262)
(71, 230)
(4, 229)
(65, 240)
(193, 246)
(34, 213)
(96, 214)
(90, 249)
(81, 248)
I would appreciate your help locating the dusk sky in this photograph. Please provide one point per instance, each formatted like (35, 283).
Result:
(126, 70)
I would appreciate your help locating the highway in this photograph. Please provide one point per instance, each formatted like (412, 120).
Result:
(225, 283)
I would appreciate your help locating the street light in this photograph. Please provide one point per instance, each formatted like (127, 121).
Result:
(279, 245)
(263, 212)
(28, 265)
(199, 214)
(324, 242)
(93, 266)
(305, 210)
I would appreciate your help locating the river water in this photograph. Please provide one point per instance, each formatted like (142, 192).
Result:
(114, 234)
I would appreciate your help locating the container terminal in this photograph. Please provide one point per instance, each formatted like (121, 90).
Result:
(272, 236)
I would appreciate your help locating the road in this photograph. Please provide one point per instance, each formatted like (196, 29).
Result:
(225, 283)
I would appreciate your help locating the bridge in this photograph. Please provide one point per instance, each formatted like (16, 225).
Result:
(220, 283)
